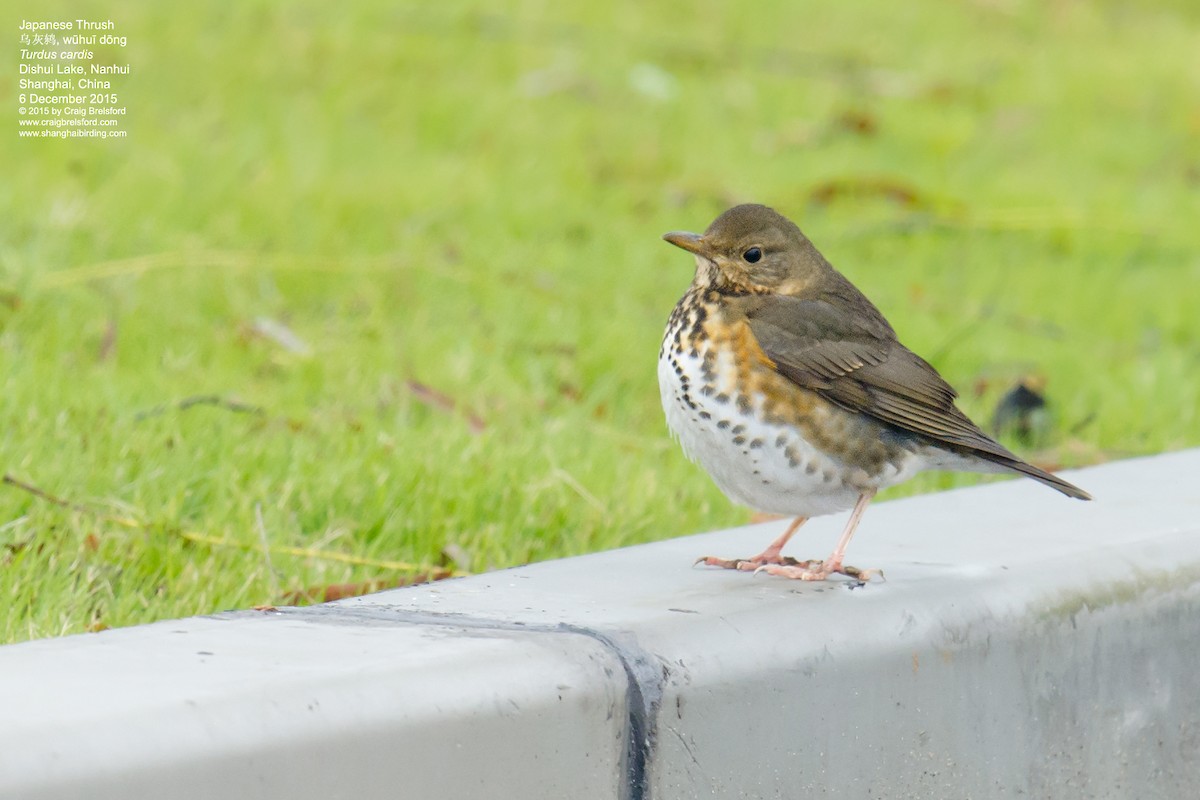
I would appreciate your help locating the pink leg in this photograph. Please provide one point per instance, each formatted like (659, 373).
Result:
(820, 570)
(772, 555)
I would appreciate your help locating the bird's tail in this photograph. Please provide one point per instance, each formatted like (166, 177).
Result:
(1053, 481)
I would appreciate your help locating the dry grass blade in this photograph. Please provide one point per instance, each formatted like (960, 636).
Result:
(444, 402)
(215, 541)
(201, 400)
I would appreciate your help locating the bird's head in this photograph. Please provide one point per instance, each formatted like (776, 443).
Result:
(753, 249)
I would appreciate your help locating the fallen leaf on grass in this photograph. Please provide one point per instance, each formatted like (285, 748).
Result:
(862, 123)
(340, 591)
(653, 82)
(280, 334)
(828, 191)
(108, 342)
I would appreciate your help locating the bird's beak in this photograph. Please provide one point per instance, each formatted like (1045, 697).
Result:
(692, 242)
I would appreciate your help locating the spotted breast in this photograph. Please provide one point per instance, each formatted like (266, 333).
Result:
(766, 443)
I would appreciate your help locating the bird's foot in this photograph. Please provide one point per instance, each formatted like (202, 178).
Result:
(773, 555)
(814, 570)
(767, 558)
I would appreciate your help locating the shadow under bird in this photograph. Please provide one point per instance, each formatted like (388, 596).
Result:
(790, 388)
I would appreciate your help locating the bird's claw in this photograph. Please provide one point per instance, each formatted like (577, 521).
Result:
(863, 575)
(743, 564)
(723, 563)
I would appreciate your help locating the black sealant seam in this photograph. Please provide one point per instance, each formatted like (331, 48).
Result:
(644, 674)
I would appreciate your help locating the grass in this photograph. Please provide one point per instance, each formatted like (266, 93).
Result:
(457, 211)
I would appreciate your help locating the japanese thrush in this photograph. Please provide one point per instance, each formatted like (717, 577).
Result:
(791, 389)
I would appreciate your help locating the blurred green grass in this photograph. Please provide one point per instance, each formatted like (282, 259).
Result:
(470, 198)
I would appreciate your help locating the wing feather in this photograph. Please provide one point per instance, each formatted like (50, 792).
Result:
(860, 365)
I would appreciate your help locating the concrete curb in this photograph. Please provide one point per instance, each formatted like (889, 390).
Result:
(1023, 645)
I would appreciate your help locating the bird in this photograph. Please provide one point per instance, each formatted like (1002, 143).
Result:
(791, 389)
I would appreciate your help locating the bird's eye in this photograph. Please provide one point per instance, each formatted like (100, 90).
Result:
(753, 255)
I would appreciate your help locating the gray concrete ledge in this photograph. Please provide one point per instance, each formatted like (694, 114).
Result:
(1024, 645)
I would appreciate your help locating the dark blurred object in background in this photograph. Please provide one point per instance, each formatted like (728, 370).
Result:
(1023, 412)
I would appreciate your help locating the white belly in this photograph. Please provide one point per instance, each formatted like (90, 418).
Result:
(768, 467)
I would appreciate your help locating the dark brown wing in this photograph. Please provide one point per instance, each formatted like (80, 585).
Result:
(856, 362)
